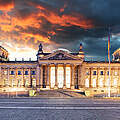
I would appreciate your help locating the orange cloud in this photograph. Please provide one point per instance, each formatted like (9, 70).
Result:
(66, 19)
(34, 20)
(52, 15)
(63, 8)
(6, 5)
(38, 38)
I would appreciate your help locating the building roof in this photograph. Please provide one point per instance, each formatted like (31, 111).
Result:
(118, 50)
(3, 48)
(18, 61)
(63, 49)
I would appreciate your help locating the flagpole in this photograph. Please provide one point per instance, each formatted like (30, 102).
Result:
(109, 62)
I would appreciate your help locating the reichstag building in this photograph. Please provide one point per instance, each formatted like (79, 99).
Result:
(60, 69)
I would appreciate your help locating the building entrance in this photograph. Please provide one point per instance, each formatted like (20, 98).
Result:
(52, 77)
(60, 77)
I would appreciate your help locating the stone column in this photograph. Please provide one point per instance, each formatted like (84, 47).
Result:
(80, 76)
(72, 77)
(105, 71)
(90, 78)
(118, 83)
(76, 76)
(56, 81)
(22, 82)
(97, 77)
(48, 77)
(112, 71)
(64, 84)
(29, 82)
(8, 76)
(1, 80)
(41, 76)
(15, 77)
(37, 76)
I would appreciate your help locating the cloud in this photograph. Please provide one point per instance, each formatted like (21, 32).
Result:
(6, 4)
(59, 23)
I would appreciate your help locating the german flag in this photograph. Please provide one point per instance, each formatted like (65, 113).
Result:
(109, 46)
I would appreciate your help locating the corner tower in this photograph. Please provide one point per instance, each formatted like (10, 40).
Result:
(81, 52)
(3, 54)
(40, 52)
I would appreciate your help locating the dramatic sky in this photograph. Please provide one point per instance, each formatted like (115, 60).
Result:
(59, 24)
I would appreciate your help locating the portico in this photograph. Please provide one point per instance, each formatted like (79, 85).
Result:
(59, 69)
(58, 76)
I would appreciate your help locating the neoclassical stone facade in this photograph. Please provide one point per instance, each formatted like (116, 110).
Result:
(60, 69)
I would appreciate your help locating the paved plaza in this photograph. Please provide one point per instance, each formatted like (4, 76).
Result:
(59, 109)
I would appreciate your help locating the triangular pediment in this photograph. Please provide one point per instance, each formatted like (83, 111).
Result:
(60, 55)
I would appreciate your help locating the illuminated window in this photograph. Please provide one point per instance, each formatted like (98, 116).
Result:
(101, 82)
(26, 72)
(115, 73)
(87, 73)
(5, 82)
(13, 82)
(34, 82)
(67, 77)
(52, 77)
(101, 72)
(115, 82)
(5, 72)
(94, 83)
(19, 82)
(33, 72)
(60, 77)
(26, 83)
(107, 82)
(94, 72)
(87, 82)
(12, 72)
(19, 73)
(102, 90)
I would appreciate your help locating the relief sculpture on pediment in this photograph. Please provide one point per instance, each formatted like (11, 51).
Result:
(60, 56)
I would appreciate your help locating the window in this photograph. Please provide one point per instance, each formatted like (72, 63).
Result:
(107, 82)
(33, 72)
(94, 72)
(115, 73)
(5, 82)
(34, 82)
(5, 72)
(101, 72)
(101, 82)
(12, 72)
(87, 82)
(26, 72)
(87, 73)
(68, 76)
(94, 83)
(102, 90)
(13, 82)
(115, 82)
(19, 73)
(107, 72)
(26, 83)
(52, 77)
(19, 82)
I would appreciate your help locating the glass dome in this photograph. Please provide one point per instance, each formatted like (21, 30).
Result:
(62, 49)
